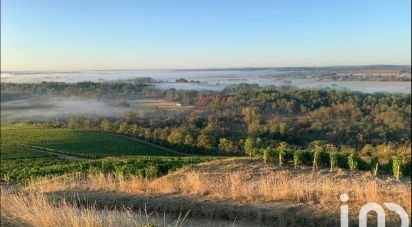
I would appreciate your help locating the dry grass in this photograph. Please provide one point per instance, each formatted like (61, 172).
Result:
(316, 189)
(35, 209)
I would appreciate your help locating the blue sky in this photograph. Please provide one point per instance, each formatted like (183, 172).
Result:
(79, 35)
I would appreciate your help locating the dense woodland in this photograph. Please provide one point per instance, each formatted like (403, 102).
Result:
(247, 119)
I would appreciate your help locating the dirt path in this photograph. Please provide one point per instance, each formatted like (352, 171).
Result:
(150, 144)
(56, 153)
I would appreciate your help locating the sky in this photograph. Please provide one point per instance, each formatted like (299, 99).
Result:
(99, 34)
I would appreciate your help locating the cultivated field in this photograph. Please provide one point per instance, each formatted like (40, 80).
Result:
(28, 152)
(89, 144)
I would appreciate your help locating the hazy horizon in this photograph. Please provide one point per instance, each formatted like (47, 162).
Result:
(209, 68)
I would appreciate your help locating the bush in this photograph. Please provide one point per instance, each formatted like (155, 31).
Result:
(342, 161)
(297, 158)
(332, 160)
(307, 157)
(288, 155)
(353, 161)
(374, 165)
(407, 168)
(281, 155)
(362, 164)
(396, 167)
(151, 172)
(316, 159)
(266, 154)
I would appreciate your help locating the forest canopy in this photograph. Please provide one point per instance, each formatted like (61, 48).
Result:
(261, 116)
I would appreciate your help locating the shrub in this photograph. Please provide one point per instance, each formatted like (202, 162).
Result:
(297, 158)
(107, 167)
(333, 160)
(281, 154)
(342, 161)
(324, 158)
(151, 172)
(316, 158)
(266, 154)
(407, 168)
(307, 157)
(362, 164)
(374, 165)
(396, 167)
(282, 147)
(353, 161)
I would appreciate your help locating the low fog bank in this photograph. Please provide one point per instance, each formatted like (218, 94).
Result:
(113, 75)
(217, 80)
(36, 109)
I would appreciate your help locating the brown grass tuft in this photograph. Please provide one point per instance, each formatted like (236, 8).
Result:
(272, 186)
(34, 209)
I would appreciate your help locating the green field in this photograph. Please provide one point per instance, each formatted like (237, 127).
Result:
(19, 162)
(92, 144)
